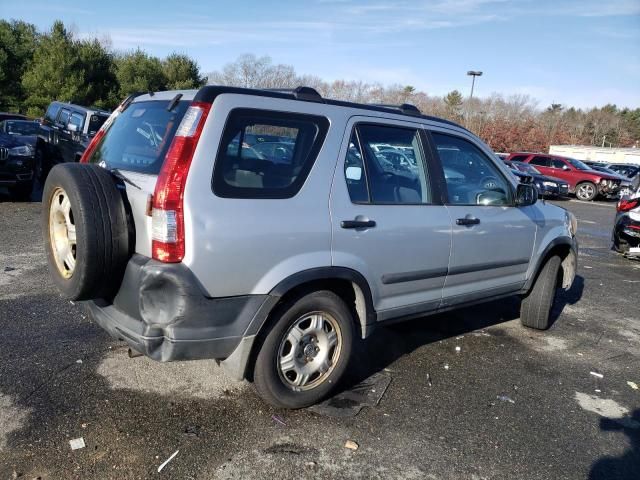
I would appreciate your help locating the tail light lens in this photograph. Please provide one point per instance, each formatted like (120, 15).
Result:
(626, 204)
(168, 212)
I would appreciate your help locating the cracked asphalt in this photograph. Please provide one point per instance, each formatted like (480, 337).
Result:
(511, 404)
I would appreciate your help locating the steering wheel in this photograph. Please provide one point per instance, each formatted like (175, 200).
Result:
(489, 183)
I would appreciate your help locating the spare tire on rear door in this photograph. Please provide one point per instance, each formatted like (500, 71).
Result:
(85, 229)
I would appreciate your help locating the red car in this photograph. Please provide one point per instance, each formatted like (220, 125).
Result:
(584, 182)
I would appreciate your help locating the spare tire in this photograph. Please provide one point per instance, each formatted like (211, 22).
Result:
(85, 229)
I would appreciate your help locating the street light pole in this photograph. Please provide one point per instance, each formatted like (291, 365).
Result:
(473, 74)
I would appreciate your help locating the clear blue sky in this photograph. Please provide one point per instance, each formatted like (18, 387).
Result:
(575, 52)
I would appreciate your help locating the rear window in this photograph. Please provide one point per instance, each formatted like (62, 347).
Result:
(140, 136)
(95, 122)
(275, 167)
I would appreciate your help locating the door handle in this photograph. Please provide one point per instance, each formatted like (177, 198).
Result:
(363, 223)
(468, 220)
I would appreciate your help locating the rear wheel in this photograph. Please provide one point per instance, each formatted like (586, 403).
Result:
(586, 191)
(306, 352)
(535, 309)
(85, 231)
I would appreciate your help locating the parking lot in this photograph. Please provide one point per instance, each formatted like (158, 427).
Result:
(509, 403)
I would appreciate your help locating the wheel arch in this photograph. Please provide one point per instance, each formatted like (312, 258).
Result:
(348, 284)
(566, 248)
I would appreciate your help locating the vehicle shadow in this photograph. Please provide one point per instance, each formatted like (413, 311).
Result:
(627, 466)
(390, 342)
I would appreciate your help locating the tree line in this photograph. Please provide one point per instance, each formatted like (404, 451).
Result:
(38, 67)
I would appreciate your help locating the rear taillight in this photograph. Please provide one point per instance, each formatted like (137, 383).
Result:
(626, 204)
(168, 213)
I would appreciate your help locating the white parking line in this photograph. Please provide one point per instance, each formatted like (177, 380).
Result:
(606, 205)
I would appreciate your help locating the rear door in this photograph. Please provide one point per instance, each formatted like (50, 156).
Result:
(492, 239)
(388, 222)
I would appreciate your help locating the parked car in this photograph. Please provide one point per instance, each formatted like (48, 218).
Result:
(626, 228)
(11, 116)
(547, 186)
(66, 131)
(584, 182)
(630, 171)
(626, 184)
(16, 165)
(187, 249)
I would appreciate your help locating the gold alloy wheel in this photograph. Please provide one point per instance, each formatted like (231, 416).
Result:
(62, 232)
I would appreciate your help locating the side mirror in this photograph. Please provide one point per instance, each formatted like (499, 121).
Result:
(526, 194)
(72, 128)
(565, 168)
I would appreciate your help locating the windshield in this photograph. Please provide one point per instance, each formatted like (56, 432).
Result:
(525, 167)
(578, 164)
(17, 127)
(140, 136)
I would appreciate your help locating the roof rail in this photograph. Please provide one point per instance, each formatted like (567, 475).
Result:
(300, 93)
(405, 108)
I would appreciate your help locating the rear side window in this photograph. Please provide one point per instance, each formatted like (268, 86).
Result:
(140, 136)
(542, 161)
(273, 168)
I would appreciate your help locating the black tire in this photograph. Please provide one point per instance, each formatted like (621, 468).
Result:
(102, 232)
(586, 191)
(22, 192)
(268, 380)
(535, 309)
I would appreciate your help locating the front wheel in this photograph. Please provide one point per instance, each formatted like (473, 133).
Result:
(535, 310)
(306, 352)
(586, 191)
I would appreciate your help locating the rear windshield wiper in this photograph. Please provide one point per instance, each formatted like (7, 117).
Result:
(174, 102)
(116, 173)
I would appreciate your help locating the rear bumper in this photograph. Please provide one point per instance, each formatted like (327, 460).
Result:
(160, 311)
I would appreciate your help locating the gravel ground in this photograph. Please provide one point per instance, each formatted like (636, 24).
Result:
(512, 403)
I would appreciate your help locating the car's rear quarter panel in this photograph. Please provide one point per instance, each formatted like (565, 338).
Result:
(247, 246)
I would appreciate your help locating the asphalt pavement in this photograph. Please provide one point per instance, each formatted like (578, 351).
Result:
(510, 403)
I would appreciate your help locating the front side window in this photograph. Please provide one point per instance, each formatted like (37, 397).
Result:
(555, 163)
(77, 120)
(63, 118)
(275, 167)
(471, 177)
(394, 166)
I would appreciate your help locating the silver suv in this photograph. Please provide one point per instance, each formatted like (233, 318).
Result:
(271, 229)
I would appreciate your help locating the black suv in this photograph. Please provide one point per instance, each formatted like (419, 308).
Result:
(66, 131)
